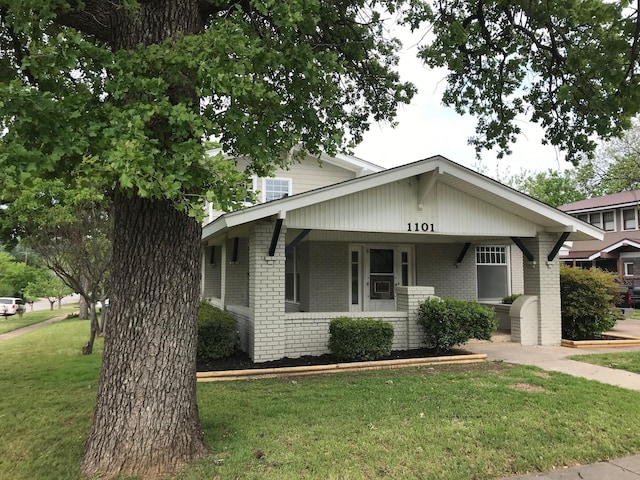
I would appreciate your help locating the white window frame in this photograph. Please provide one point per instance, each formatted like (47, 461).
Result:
(494, 255)
(635, 219)
(604, 226)
(626, 269)
(265, 180)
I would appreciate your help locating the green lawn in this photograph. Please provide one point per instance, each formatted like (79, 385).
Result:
(8, 324)
(482, 422)
(629, 361)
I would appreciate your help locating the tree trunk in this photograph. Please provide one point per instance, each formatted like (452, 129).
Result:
(84, 304)
(146, 417)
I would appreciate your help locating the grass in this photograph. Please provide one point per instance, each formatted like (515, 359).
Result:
(629, 361)
(483, 422)
(13, 322)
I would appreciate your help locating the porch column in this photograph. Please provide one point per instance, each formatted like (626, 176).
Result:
(409, 300)
(542, 279)
(266, 293)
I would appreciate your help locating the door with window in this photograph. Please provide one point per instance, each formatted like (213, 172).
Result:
(376, 271)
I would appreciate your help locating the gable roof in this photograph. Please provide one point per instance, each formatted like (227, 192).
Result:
(349, 162)
(428, 172)
(616, 200)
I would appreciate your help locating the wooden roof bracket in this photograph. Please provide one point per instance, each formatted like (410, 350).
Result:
(525, 251)
(275, 236)
(557, 246)
(426, 182)
(462, 254)
(297, 240)
(234, 254)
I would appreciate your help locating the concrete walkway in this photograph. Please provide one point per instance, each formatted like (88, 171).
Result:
(555, 359)
(29, 328)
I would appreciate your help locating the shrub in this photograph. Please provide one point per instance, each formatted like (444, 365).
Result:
(360, 338)
(449, 322)
(511, 298)
(588, 302)
(216, 333)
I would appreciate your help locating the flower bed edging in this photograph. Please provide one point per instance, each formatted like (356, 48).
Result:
(615, 340)
(248, 374)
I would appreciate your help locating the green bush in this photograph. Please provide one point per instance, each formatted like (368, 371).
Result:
(588, 302)
(360, 338)
(216, 333)
(449, 322)
(511, 298)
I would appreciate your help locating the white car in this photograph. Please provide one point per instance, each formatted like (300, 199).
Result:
(11, 306)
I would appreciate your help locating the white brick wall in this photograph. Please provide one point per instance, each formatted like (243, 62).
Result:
(543, 281)
(237, 284)
(436, 267)
(328, 276)
(266, 293)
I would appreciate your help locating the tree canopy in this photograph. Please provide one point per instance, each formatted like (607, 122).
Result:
(122, 97)
(569, 65)
(615, 166)
(551, 187)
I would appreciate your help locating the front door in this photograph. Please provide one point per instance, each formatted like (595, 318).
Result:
(380, 280)
(375, 272)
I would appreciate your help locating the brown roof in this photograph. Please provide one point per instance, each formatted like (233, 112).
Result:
(616, 199)
(586, 248)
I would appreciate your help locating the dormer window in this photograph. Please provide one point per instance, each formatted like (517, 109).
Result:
(276, 188)
(629, 219)
(604, 220)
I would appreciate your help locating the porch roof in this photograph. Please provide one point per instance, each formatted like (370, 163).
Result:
(529, 215)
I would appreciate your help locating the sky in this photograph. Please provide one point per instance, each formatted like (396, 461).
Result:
(426, 128)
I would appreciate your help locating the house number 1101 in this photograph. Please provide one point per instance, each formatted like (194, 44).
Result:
(420, 227)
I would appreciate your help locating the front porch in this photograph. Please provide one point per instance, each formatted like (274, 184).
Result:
(378, 245)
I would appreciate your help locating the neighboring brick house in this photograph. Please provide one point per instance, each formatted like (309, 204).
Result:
(619, 250)
(376, 245)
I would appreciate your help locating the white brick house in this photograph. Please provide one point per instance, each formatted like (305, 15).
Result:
(377, 245)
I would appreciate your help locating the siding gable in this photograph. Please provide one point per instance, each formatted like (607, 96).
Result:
(393, 207)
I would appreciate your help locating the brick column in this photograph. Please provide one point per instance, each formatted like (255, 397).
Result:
(266, 293)
(542, 279)
(408, 300)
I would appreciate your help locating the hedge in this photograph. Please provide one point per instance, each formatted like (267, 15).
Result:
(587, 299)
(449, 322)
(360, 338)
(216, 333)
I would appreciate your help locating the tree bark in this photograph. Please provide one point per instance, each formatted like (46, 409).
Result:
(146, 418)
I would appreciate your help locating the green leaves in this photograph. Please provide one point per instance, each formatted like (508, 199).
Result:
(260, 78)
(569, 65)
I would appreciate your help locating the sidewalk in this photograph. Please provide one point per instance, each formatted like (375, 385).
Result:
(556, 359)
(28, 328)
(620, 469)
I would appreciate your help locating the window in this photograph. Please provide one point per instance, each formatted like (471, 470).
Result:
(605, 220)
(629, 221)
(595, 219)
(493, 272)
(404, 266)
(292, 276)
(628, 269)
(355, 277)
(609, 221)
(276, 188)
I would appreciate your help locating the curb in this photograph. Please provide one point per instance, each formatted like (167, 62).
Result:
(256, 373)
(617, 340)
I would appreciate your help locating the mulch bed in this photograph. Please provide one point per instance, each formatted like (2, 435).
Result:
(241, 361)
